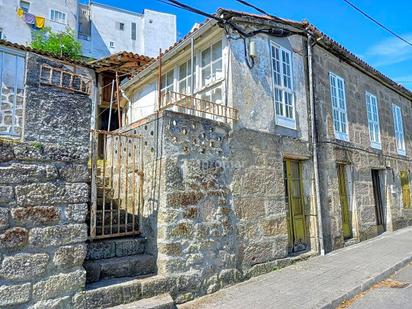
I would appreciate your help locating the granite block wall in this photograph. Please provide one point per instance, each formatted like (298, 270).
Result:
(357, 154)
(44, 191)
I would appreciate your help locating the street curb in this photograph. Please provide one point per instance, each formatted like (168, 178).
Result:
(367, 284)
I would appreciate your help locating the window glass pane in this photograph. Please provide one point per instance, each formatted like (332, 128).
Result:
(12, 92)
(134, 31)
(276, 73)
(206, 57)
(182, 86)
(25, 6)
(170, 78)
(163, 82)
(217, 70)
(278, 101)
(282, 72)
(400, 142)
(9, 72)
(338, 104)
(20, 75)
(217, 51)
(287, 82)
(336, 120)
(289, 105)
(217, 95)
(182, 71)
(206, 75)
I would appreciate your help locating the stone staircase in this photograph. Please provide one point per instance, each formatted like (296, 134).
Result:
(163, 301)
(119, 271)
(142, 292)
(117, 258)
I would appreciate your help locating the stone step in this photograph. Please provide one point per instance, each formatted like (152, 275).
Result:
(114, 292)
(118, 267)
(163, 301)
(110, 248)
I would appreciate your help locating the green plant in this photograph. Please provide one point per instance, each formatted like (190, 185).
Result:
(37, 145)
(57, 43)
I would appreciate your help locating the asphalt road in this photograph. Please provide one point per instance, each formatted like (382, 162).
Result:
(383, 297)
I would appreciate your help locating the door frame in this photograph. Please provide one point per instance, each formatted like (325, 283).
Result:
(290, 217)
(380, 208)
(341, 171)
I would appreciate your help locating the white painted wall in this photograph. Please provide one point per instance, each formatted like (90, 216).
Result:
(154, 30)
(17, 31)
(144, 102)
(159, 31)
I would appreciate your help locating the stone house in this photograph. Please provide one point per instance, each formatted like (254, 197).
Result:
(363, 123)
(251, 143)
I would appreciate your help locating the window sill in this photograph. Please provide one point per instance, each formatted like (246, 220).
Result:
(285, 122)
(210, 85)
(58, 22)
(377, 146)
(401, 152)
(9, 136)
(342, 136)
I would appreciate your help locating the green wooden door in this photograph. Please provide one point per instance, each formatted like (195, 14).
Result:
(344, 203)
(294, 199)
(406, 192)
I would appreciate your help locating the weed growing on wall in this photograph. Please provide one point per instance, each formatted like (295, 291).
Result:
(62, 44)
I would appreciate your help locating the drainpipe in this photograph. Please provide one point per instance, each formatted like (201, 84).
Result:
(315, 147)
(192, 66)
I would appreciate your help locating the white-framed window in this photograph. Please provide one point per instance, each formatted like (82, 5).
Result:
(57, 16)
(25, 5)
(213, 95)
(399, 134)
(111, 44)
(12, 67)
(373, 120)
(167, 86)
(185, 76)
(166, 83)
(211, 64)
(283, 86)
(340, 116)
(1, 33)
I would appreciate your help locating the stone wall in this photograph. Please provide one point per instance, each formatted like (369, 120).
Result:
(357, 154)
(259, 195)
(215, 200)
(44, 193)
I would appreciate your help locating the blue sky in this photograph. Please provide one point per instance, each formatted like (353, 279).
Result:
(334, 17)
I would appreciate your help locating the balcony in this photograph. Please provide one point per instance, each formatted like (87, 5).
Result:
(190, 105)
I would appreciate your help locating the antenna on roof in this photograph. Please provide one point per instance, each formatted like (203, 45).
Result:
(254, 7)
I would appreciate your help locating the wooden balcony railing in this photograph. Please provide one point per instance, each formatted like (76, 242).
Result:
(192, 105)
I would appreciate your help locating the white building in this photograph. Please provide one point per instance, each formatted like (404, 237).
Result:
(58, 14)
(101, 29)
(105, 30)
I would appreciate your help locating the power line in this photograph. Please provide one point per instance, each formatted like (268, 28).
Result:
(378, 23)
(254, 7)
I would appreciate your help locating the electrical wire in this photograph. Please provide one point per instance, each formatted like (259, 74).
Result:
(377, 22)
(227, 23)
(254, 7)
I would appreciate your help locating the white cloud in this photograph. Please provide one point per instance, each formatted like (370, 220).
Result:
(390, 51)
